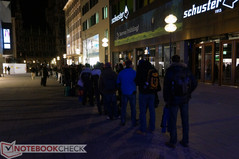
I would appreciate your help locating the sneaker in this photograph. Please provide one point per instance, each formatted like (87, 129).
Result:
(170, 145)
(183, 144)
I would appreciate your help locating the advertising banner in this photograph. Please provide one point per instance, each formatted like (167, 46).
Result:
(148, 25)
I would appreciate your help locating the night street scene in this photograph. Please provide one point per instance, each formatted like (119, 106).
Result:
(119, 79)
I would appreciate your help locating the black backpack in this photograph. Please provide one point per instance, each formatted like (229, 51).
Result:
(181, 82)
(153, 80)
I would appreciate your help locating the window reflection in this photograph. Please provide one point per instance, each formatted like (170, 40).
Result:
(227, 63)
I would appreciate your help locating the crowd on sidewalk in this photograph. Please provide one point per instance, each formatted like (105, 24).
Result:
(112, 88)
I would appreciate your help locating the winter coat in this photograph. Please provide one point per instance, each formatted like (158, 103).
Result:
(107, 82)
(168, 96)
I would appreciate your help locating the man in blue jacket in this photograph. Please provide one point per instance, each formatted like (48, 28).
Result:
(126, 81)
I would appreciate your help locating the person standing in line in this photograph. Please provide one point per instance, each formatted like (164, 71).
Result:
(95, 74)
(119, 67)
(85, 76)
(147, 78)
(126, 82)
(108, 87)
(179, 83)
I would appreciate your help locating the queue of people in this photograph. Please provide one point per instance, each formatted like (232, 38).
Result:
(112, 90)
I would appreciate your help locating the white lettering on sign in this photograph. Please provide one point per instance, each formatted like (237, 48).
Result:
(121, 16)
(210, 5)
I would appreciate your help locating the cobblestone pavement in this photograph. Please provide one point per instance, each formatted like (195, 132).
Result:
(31, 114)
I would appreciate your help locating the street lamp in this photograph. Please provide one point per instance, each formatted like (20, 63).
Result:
(170, 27)
(105, 45)
(64, 57)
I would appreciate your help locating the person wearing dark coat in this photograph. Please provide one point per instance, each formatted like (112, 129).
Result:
(44, 76)
(108, 87)
(177, 102)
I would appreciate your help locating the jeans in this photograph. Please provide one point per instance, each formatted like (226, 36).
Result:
(110, 103)
(132, 100)
(173, 111)
(144, 101)
(88, 93)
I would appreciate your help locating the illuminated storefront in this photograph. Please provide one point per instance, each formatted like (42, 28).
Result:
(91, 50)
(207, 37)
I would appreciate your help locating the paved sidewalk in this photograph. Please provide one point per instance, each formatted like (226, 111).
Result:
(31, 114)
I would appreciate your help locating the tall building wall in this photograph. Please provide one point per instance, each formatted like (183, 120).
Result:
(5, 17)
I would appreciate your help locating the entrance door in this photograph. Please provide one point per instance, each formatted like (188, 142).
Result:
(237, 64)
(204, 62)
(226, 61)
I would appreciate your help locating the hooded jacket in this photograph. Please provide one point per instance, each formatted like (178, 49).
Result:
(169, 98)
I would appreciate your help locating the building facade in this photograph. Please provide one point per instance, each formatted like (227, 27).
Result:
(38, 41)
(206, 37)
(5, 34)
(87, 24)
(55, 18)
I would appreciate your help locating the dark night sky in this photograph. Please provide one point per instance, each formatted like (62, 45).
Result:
(33, 11)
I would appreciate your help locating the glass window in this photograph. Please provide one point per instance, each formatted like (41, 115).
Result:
(198, 62)
(227, 63)
(106, 33)
(104, 12)
(237, 63)
(97, 17)
(216, 63)
(93, 3)
(208, 63)
(84, 25)
(85, 8)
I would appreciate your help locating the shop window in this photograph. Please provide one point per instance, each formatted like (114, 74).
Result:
(216, 63)
(227, 63)
(237, 63)
(208, 63)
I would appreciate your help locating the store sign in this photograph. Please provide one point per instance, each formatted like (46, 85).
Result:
(210, 5)
(121, 16)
